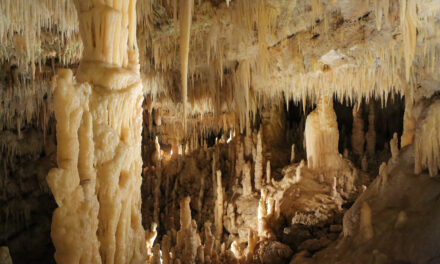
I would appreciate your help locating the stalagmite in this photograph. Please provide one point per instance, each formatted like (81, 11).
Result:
(186, 7)
(218, 215)
(258, 171)
(165, 247)
(5, 257)
(268, 172)
(209, 243)
(156, 255)
(394, 147)
(345, 154)
(246, 181)
(409, 124)
(157, 117)
(248, 144)
(262, 211)
(408, 24)
(235, 248)
(215, 89)
(365, 225)
(187, 235)
(371, 133)
(292, 153)
(252, 243)
(74, 242)
(358, 137)
(240, 159)
(150, 237)
(322, 135)
(334, 186)
(364, 163)
(201, 197)
(301, 165)
(401, 220)
(383, 172)
(157, 192)
(99, 123)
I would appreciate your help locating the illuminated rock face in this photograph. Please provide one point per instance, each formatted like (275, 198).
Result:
(427, 141)
(99, 123)
(322, 136)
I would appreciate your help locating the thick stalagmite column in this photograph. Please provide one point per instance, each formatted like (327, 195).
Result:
(322, 136)
(99, 124)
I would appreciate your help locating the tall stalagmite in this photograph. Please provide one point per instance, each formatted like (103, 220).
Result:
(99, 123)
(322, 136)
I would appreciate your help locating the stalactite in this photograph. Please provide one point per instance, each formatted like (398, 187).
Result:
(242, 79)
(378, 9)
(186, 7)
(408, 25)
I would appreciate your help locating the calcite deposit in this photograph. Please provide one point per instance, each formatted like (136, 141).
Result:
(219, 131)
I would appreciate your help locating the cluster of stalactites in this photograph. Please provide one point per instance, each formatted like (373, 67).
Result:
(25, 103)
(25, 24)
(108, 32)
(376, 72)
